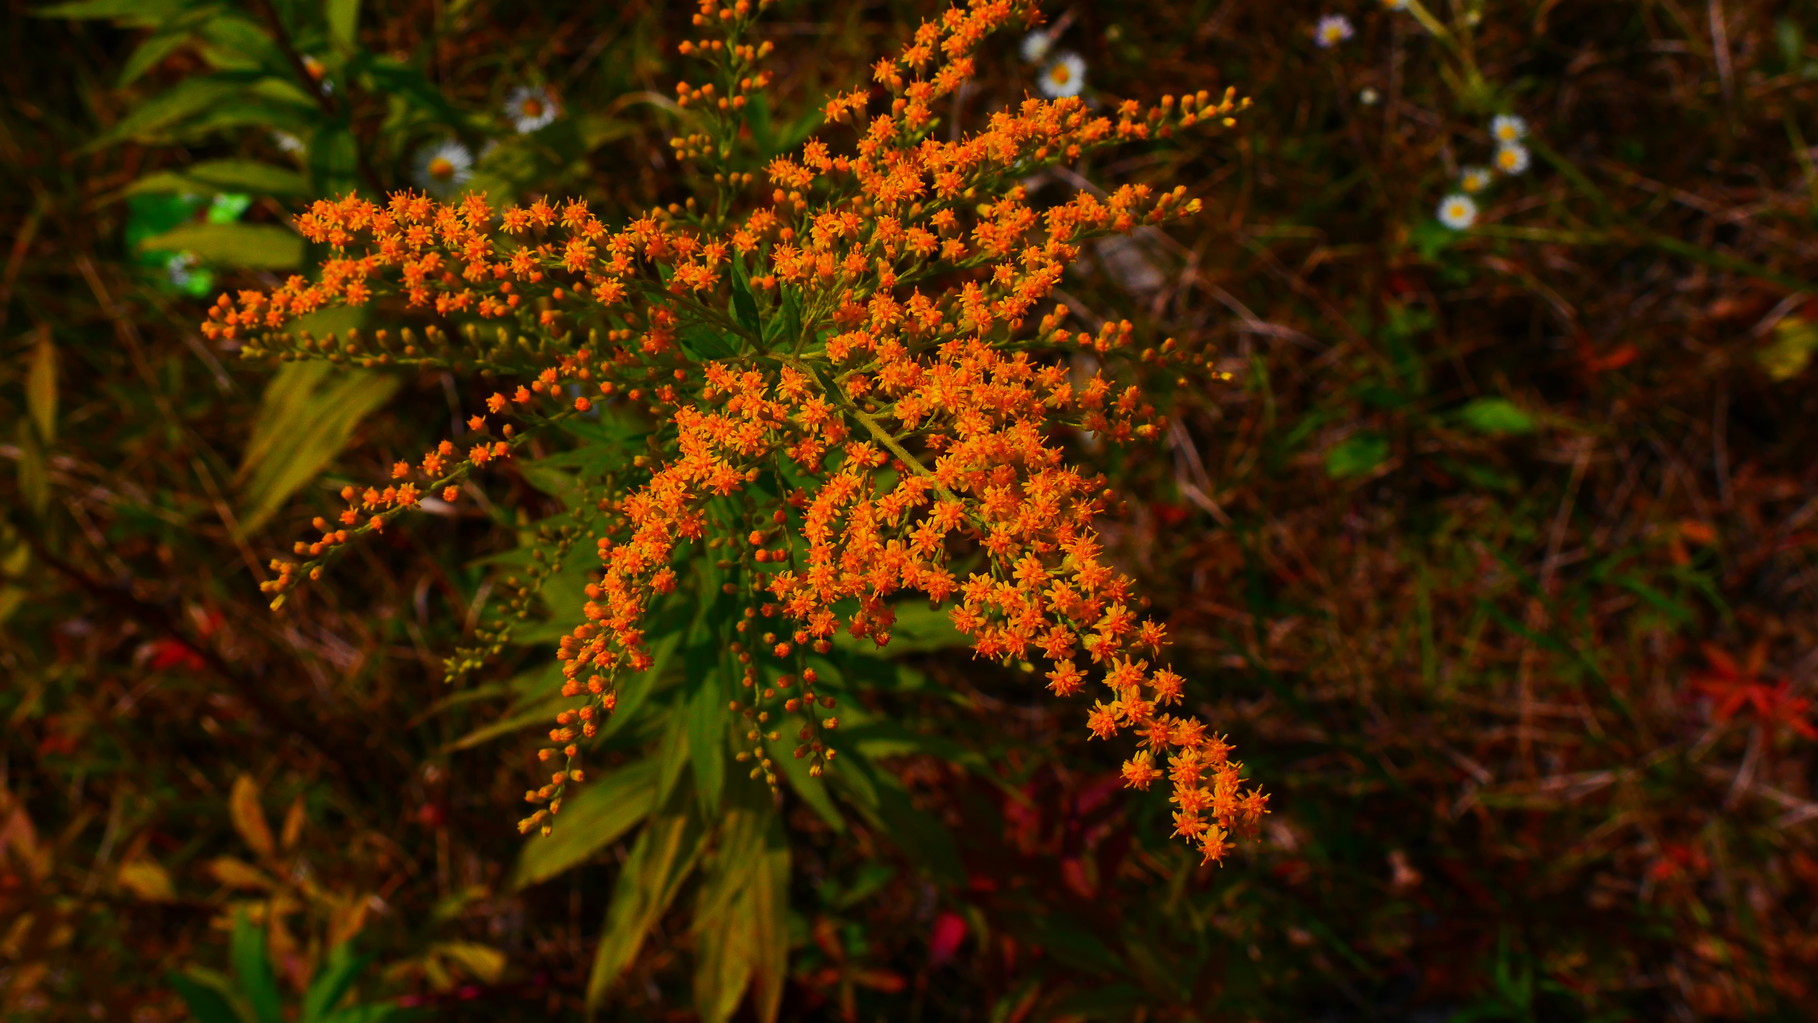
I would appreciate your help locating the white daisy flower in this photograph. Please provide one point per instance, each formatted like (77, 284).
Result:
(1036, 45)
(1512, 158)
(1368, 96)
(1457, 211)
(530, 107)
(1332, 30)
(1065, 75)
(1507, 128)
(1474, 179)
(441, 169)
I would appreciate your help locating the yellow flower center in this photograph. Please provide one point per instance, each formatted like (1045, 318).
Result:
(1060, 74)
(531, 107)
(441, 168)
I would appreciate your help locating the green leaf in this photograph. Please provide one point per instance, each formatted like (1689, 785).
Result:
(740, 926)
(660, 860)
(1496, 416)
(708, 721)
(253, 246)
(153, 119)
(225, 176)
(920, 628)
(787, 327)
(407, 83)
(812, 790)
(881, 798)
(343, 24)
(594, 817)
(308, 415)
(704, 343)
(206, 1002)
(332, 983)
(150, 53)
(132, 11)
(744, 304)
(1357, 455)
(252, 968)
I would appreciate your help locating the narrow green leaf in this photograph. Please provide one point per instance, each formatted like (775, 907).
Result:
(307, 417)
(881, 798)
(660, 860)
(744, 304)
(252, 968)
(151, 119)
(598, 812)
(134, 11)
(225, 176)
(1496, 416)
(204, 1001)
(332, 982)
(740, 927)
(253, 246)
(150, 53)
(812, 790)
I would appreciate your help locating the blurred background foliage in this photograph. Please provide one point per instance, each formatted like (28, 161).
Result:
(1499, 560)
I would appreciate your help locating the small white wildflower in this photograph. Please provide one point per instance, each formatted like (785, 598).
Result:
(288, 143)
(1065, 75)
(1369, 97)
(530, 107)
(1507, 128)
(1332, 30)
(180, 270)
(1474, 179)
(1512, 158)
(1457, 211)
(1036, 45)
(441, 169)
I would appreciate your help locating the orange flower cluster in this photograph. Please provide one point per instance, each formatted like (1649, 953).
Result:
(851, 377)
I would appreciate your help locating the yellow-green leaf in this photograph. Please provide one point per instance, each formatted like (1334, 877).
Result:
(740, 925)
(660, 860)
(249, 176)
(596, 813)
(41, 387)
(254, 246)
(482, 962)
(307, 417)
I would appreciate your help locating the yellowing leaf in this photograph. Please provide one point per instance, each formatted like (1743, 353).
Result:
(249, 817)
(483, 962)
(307, 417)
(41, 387)
(293, 825)
(1795, 342)
(146, 879)
(237, 873)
